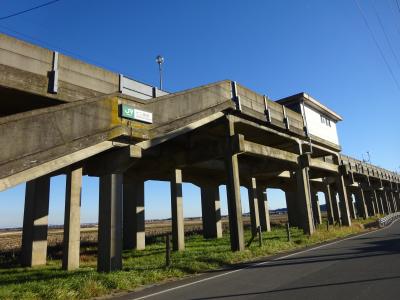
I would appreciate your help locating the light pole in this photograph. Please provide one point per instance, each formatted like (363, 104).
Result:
(366, 160)
(160, 61)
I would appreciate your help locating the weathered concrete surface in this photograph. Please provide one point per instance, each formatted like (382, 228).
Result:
(304, 198)
(34, 234)
(211, 211)
(343, 201)
(371, 200)
(110, 223)
(361, 204)
(329, 204)
(72, 224)
(233, 193)
(263, 208)
(253, 205)
(178, 232)
(56, 132)
(133, 214)
(352, 208)
(316, 208)
(293, 208)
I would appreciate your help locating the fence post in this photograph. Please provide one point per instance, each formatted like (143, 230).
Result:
(288, 232)
(167, 250)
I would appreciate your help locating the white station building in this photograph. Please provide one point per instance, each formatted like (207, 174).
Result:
(320, 120)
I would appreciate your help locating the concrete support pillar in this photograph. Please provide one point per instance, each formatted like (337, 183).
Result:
(316, 208)
(355, 210)
(384, 200)
(253, 205)
(351, 204)
(72, 224)
(233, 194)
(178, 228)
(369, 201)
(292, 208)
(211, 211)
(134, 236)
(389, 201)
(304, 200)
(362, 206)
(343, 201)
(34, 233)
(335, 206)
(378, 202)
(329, 206)
(396, 196)
(263, 208)
(393, 201)
(110, 223)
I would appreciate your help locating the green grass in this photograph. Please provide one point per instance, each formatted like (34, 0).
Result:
(148, 266)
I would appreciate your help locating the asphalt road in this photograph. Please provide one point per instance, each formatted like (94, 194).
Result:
(363, 267)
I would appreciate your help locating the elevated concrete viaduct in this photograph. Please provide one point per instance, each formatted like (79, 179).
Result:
(62, 116)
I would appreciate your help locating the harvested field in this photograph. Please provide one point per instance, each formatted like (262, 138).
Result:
(10, 240)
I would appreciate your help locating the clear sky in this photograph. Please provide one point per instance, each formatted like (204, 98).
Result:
(276, 48)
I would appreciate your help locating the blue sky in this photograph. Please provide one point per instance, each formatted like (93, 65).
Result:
(276, 48)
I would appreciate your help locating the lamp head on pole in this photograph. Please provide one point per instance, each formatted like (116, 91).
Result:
(159, 59)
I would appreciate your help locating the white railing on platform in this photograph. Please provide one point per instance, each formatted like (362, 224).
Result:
(387, 220)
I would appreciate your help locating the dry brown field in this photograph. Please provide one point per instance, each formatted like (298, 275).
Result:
(10, 240)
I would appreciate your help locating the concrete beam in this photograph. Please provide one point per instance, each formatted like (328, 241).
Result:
(322, 165)
(72, 224)
(178, 229)
(211, 211)
(110, 223)
(265, 151)
(34, 233)
(133, 214)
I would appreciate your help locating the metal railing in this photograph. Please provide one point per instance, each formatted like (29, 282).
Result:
(389, 219)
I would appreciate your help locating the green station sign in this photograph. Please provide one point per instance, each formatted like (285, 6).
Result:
(132, 113)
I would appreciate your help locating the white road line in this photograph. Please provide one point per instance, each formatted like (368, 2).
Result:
(256, 264)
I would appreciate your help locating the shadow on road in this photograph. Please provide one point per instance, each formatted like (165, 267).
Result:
(301, 288)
